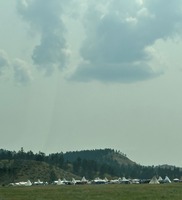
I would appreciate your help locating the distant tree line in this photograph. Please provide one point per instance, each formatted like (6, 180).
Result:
(90, 163)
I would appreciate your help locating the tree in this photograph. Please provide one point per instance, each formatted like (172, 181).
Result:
(40, 156)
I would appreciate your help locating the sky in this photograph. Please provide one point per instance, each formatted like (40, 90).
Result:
(81, 74)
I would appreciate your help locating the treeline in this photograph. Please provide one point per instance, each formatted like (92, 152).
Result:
(91, 168)
(92, 163)
(97, 154)
(55, 158)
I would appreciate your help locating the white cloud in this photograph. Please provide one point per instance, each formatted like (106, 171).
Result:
(17, 69)
(44, 16)
(118, 40)
(4, 60)
(117, 34)
(22, 72)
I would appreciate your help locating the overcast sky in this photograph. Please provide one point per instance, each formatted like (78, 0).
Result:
(89, 74)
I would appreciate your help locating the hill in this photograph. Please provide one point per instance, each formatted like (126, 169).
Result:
(21, 165)
(99, 155)
(22, 170)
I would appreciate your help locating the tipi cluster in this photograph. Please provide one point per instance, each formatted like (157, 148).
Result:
(98, 180)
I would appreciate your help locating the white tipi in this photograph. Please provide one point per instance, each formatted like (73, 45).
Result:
(60, 182)
(167, 180)
(154, 180)
(28, 183)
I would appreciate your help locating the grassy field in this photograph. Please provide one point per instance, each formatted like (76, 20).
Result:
(93, 192)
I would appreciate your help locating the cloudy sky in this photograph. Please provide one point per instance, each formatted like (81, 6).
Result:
(81, 74)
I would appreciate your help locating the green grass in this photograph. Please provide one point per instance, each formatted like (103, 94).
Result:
(93, 192)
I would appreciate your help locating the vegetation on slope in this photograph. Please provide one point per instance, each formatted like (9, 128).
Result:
(21, 165)
(12, 171)
(99, 155)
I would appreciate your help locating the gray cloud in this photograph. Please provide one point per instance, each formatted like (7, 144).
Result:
(4, 61)
(18, 68)
(117, 35)
(125, 73)
(22, 73)
(118, 38)
(44, 17)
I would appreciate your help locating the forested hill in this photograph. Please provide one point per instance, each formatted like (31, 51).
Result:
(100, 155)
(12, 171)
(89, 163)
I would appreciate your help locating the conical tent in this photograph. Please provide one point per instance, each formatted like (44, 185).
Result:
(160, 179)
(73, 181)
(124, 180)
(28, 183)
(154, 180)
(167, 180)
(59, 182)
(84, 180)
(106, 179)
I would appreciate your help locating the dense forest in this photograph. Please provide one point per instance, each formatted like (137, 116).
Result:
(89, 163)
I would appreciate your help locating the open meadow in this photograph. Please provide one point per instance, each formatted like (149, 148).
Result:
(94, 192)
